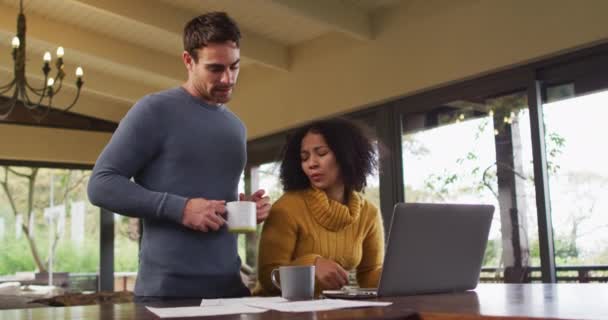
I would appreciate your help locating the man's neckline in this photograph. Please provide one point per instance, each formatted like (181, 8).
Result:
(201, 102)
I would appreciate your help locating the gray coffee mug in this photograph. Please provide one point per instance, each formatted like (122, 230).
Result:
(296, 282)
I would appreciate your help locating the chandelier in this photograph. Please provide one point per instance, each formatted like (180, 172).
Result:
(38, 101)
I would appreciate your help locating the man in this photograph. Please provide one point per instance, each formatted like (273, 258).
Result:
(185, 152)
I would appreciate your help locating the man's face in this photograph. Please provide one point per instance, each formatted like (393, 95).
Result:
(214, 75)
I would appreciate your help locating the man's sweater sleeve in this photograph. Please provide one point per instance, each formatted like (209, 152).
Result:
(137, 140)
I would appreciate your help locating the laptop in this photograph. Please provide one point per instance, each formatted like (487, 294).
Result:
(432, 248)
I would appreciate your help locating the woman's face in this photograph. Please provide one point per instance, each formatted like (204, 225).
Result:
(319, 162)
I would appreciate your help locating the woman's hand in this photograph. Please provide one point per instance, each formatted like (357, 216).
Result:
(330, 274)
(262, 204)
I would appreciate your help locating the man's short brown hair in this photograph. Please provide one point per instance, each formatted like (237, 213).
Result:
(212, 27)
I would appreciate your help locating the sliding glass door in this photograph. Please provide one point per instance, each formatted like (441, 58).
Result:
(578, 174)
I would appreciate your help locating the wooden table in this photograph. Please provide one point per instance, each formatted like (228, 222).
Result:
(489, 301)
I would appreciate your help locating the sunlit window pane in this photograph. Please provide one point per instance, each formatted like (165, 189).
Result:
(578, 178)
(477, 152)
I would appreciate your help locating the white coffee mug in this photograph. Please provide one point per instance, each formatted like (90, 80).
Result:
(241, 216)
(296, 282)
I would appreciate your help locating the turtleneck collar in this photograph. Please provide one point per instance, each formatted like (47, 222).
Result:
(331, 214)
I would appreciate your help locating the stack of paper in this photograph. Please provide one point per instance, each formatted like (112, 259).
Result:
(316, 305)
(216, 307)
(182, 312)
(244, 301)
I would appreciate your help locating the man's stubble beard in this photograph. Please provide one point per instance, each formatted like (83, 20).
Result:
(220, 99)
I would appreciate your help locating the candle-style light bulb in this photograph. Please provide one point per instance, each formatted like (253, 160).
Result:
(47, 57)
(491, 113)
(15, 43)
(79, 72)
(60, 52)
(50, 82)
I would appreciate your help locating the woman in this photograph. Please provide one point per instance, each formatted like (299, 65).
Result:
(322, 219)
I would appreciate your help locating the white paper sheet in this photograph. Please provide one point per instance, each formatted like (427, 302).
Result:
(243, 301)
(217, 307)
(182, 312)
(316, 305)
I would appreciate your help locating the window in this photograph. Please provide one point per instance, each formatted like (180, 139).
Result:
(578, 176)
(372, 190)
(264, 176)
(471, 141)
(268, 178)
(58, 219)
(477, 152)
(126, 252)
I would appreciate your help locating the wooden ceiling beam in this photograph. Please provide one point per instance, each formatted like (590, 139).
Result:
(57, 119)
(349, 20)
(254, 47)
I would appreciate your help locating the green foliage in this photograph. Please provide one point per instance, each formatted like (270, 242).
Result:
(567, 253)
(415, 147)
(15, 256)
(475, 177)
(554, 145)
(439, 184)
(69, 185)
(565, 247)
(601, 257)
(72, 258)
(492, 254)
(242, 247)
(372, 194)
(126, 254)
(270, 172)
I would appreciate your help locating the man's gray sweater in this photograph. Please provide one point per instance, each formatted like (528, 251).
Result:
(175, 147)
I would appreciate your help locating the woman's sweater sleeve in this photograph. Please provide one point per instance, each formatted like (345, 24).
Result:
(368, 271)
(277, 244)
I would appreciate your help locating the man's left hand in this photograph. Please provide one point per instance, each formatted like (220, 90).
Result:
(262, 203)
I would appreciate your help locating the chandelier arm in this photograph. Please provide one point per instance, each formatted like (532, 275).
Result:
(75, 99)
(10, 101)
(8, 87)
(41, 115)
(37, 91)
(59, 86)
(9, 105)
(23, 89)
(29, 105)
(25, 99)
(23, 95)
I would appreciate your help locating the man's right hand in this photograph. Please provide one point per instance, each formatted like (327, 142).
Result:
(204, 215)
(330, 274)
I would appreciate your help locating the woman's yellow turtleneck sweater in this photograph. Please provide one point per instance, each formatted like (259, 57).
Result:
(304, 225)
